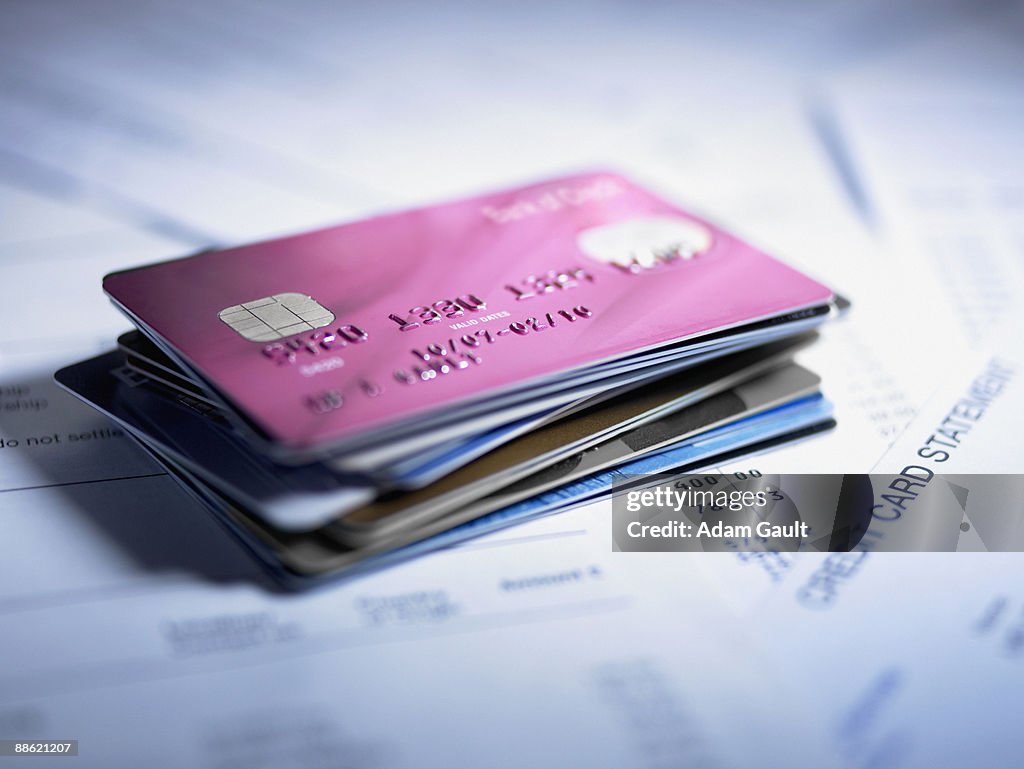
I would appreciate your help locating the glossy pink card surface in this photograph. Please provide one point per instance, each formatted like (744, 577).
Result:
(322, 336)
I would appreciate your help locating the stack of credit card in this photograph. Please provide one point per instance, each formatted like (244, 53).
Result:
(343, 398)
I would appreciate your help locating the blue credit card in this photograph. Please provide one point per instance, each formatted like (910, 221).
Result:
(703, 449)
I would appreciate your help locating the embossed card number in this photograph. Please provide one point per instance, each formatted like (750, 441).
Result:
(288, 351)
(437, 311)
(549, 282)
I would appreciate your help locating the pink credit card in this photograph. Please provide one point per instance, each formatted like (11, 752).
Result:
(321, 337)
